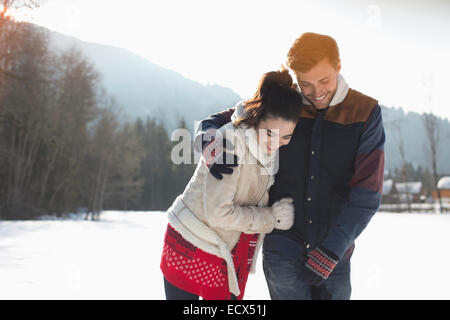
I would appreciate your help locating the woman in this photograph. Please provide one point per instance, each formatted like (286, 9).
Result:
(216, 227)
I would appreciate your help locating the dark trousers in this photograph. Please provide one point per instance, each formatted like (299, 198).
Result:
(175, 293)
(283, 259)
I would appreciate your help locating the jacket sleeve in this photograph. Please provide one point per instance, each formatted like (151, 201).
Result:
(214, 121)
(365, 188)
(219, 207)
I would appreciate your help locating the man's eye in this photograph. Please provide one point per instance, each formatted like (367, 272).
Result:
(305, 84)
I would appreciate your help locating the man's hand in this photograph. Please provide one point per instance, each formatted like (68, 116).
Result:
(214, 154)
(319, 265)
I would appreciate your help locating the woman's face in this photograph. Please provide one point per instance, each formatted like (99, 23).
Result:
(273, 133)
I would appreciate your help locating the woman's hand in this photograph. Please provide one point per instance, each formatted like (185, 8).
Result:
(283, 213)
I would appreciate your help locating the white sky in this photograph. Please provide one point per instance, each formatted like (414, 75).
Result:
(396, 51)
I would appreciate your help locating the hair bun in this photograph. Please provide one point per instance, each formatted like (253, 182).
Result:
(276, 97)
(276, 79)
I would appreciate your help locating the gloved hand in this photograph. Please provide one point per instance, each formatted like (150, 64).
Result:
(283, 213)
(216, 159)
(319, 265)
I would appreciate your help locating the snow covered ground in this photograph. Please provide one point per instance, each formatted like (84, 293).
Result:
(398, 256)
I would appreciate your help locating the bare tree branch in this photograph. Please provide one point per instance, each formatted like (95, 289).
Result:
(434, 136)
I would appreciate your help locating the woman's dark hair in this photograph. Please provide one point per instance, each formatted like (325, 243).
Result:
(276, 97)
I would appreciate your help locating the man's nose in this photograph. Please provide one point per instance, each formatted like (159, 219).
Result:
(313, 91)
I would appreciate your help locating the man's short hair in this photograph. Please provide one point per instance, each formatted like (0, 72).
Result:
(311, 48)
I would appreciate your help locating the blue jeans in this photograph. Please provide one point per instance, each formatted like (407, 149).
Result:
(283, 259)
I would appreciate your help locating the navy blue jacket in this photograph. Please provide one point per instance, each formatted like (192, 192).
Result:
(333, 169)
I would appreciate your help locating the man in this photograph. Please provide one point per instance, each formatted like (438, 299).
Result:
(333, 169)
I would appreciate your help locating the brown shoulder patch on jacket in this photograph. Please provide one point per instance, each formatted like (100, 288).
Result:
(308, 111)
(355, 108)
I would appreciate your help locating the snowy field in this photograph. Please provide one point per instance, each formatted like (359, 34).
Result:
(399, 256)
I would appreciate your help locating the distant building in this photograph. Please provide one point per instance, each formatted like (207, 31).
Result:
(403, 192)
(410, 191)
(444, 188)
(389, 193)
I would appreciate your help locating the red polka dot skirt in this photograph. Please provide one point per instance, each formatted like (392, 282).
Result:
(193, 270)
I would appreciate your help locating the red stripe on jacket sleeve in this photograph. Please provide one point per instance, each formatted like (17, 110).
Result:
(369, 171)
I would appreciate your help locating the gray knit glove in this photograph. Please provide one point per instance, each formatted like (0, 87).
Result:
(283, 213)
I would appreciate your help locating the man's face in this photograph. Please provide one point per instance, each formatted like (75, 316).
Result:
(319, 84)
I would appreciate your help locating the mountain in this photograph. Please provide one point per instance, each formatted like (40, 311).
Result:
(144, 89)
(410, 128)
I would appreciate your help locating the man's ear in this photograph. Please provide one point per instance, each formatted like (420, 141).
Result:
(338, 67)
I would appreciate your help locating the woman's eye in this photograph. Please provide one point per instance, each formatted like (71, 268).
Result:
(269, 133)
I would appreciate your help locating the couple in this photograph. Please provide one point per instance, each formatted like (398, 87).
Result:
(307, 213)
